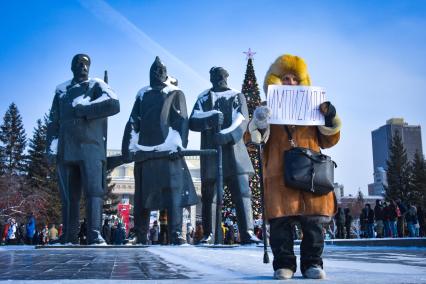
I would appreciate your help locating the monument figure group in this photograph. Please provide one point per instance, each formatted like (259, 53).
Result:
(155, 138)
(158, 123)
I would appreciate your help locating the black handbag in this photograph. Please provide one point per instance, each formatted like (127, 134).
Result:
(308, 170)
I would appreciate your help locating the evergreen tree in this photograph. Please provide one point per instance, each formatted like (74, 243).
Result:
(13, 142)
(417, 194)
(37, 163)
(398, 172)
(42, 176)
(250, 89)
(111, 200)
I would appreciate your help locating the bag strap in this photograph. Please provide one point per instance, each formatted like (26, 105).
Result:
(290, 137)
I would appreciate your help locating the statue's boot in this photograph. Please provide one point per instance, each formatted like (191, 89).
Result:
(174, 214)
(94, 220)
(209, 221)
(245, 220)
(141, 227)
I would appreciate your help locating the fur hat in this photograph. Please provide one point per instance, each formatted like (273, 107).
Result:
(287, 64)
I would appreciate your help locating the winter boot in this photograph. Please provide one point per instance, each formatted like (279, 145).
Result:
(283, 274)
(94, 220)
(314, 272)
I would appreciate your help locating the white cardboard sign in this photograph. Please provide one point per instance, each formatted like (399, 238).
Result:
(295, 105)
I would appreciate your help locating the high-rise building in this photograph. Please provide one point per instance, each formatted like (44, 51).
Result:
(382, 140)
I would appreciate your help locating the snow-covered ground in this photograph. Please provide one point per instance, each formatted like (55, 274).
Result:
(356, 265)
(244, 264)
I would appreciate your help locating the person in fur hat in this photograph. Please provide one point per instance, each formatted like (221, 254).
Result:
(284, 205)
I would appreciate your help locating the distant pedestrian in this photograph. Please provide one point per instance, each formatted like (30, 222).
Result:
(369, 219)
(412, 222)
(421, 218)
(11, 233)
(199, 234)
(119, 235)
(154, 233)
(83, 233)
(190, 234)
(378, 217)
(402, 208)
(106, 232)
(340, 223)
(31, 229)
(348, 223)
(45, 235)
(60, 230)
(53, 234)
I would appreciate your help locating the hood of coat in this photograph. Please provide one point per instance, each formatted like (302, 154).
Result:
(285, 64)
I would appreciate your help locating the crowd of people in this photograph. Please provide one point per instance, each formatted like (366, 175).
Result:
(14, 233)
(388, 219)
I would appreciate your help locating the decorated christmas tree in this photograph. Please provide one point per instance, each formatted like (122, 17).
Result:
(250, 89)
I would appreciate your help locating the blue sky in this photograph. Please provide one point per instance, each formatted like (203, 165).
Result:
(369, 55)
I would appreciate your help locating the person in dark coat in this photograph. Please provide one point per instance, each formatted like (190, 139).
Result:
(378, 216)
(348, 222)
(340, 223)
(106, 231)
(22, 233)
(223, 107)
(119, 235)
(159, 123)
(76, 139)
(400, 221)
(30, 229)
(369, 220)
(83, 233)
(421, 218)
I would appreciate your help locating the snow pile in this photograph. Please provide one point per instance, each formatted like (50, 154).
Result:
(226, 94)
(172, 143)
(204, 114)
(107, 93)
(237, 119)
(54, 146)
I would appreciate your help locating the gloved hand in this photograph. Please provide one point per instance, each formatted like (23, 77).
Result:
(329, 112)
(222, 139)
(215, 120)
(260, 116)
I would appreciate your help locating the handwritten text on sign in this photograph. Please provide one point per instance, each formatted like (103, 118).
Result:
(295, 105)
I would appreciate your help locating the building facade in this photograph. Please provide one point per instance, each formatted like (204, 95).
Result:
(381, 139)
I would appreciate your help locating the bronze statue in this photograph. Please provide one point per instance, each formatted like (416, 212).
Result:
(76, 139)
(158, 124)
(222, 106)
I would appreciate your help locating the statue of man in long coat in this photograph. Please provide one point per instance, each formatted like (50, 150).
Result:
(159, 123)
(76, 138)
